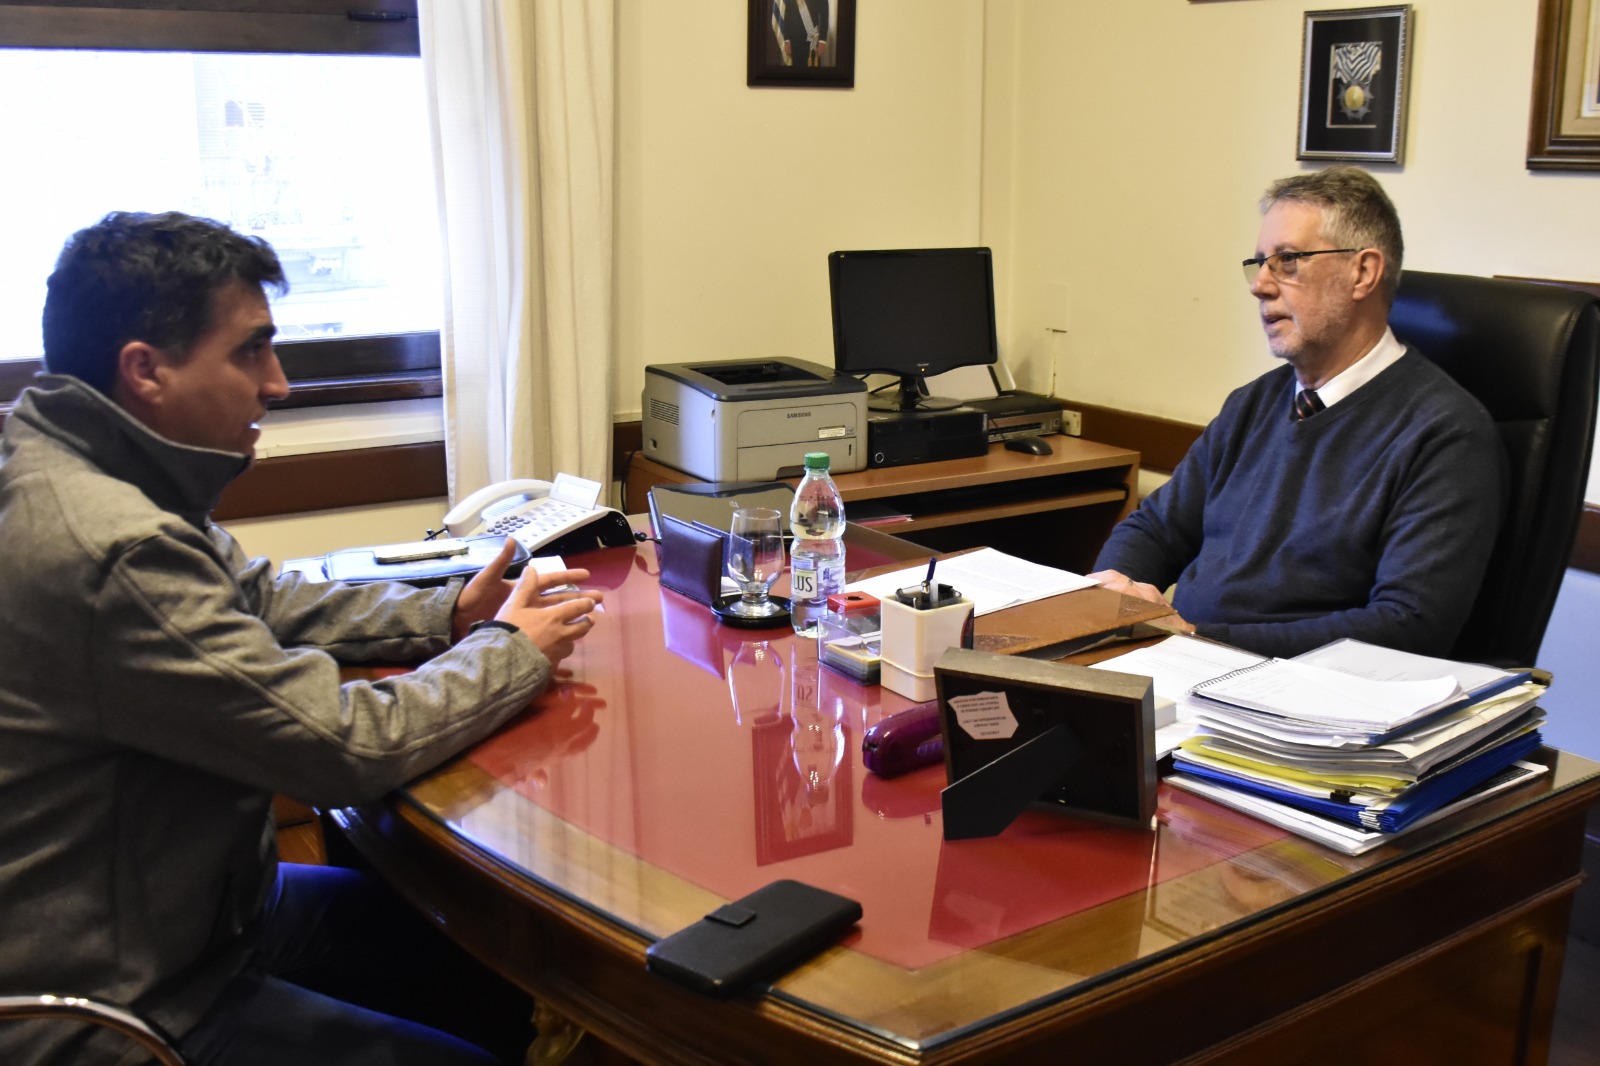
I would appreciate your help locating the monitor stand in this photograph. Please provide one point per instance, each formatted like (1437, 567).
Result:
(910, 394)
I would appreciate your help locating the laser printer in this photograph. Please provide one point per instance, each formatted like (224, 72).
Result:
(752, 420)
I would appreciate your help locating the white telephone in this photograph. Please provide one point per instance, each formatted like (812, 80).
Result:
(562, 517)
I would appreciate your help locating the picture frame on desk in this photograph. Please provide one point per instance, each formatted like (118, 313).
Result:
(1022, 733)
(1354, 69)
(801, 44)
(1564, 123)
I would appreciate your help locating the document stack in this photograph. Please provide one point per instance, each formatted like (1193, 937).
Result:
(1352, 744)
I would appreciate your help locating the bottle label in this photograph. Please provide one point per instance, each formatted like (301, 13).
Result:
(803, 583)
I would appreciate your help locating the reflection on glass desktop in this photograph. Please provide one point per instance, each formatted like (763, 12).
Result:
(913, 313)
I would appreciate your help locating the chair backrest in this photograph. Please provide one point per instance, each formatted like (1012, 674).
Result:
(1528, 352)
(94, 1012)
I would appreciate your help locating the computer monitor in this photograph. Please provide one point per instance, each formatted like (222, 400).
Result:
(912, 312)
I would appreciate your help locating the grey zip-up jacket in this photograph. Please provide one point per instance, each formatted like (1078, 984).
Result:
(156, 688)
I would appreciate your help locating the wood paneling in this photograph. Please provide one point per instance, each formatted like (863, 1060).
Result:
(626, 439)
(1160, 442)
(299, 832)
(294, 484)
(311, 26)
(1586, 552)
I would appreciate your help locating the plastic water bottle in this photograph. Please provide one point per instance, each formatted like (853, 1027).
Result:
(816, 569)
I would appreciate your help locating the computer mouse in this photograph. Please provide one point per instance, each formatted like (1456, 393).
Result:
(1031, 445)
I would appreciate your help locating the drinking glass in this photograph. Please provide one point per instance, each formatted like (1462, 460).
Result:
(755, 559)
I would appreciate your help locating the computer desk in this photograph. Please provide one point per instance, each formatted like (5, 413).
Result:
(679, 764)
(1056, 509)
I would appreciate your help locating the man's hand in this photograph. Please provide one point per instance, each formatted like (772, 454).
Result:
(485, 593)
(552, 620)
(1117, 581)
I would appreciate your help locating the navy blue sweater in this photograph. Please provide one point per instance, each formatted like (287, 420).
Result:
(1374, 519)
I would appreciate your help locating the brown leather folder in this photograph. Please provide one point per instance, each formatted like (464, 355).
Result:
(1061, 625)
(1056, 626)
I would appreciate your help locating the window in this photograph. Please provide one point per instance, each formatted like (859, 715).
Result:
(299, 124)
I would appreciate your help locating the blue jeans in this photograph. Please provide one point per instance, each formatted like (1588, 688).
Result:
(347, 973)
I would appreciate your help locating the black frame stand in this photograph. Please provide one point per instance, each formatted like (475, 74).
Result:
(987, 800)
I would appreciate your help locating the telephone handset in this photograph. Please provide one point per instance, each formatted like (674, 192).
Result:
(550, 519)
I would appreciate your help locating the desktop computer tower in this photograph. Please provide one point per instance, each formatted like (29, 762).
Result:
(895, 438)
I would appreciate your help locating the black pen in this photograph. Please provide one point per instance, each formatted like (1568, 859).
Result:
(927, 582)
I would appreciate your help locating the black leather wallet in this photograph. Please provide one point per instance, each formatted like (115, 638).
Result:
(754, 938)
(691, 559)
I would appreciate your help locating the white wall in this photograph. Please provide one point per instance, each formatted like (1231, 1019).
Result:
(730, 198)
(1111, 153)
(1127, 144)
(1125, 147)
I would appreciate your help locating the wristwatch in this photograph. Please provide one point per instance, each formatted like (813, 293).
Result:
(493, 623)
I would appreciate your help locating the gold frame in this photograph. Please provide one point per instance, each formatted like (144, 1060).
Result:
(1564, 128)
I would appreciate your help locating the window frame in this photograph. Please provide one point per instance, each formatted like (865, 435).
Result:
(323, 371)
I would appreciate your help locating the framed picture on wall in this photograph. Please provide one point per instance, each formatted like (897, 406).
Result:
(1353, 72)
(1564, 130)
(802, 43)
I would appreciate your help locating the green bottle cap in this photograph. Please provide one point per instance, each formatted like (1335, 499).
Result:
(817, 460)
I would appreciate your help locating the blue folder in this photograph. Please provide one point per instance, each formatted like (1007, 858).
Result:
(1418, 801)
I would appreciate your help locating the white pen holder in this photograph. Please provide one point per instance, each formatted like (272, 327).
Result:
(913, 640)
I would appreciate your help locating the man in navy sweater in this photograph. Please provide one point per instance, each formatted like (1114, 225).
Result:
(1355, 491)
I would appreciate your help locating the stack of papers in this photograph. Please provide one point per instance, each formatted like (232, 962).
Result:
(1318, 700)
(1352, 692)
(1378, 768)
(1341, 836)
(1176, 666)
(1347, 740)
(991, 579)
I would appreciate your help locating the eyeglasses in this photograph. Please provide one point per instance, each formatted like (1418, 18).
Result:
(1285, 265)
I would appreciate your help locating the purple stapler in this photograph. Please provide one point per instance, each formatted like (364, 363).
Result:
(904, 741)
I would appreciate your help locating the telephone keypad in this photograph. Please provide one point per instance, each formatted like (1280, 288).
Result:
(545, 516)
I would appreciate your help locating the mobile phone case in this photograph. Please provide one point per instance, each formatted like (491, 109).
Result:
(754, 938)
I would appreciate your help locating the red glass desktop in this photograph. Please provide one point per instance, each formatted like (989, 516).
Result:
(678, 764)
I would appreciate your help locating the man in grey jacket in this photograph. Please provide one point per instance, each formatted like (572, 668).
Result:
(158, 687)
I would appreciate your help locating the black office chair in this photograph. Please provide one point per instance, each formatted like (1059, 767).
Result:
(94, 1012)
(1528, 352)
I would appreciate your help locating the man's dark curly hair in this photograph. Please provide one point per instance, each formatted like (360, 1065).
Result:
(147, 277)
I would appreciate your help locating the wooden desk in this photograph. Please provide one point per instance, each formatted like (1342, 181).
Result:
(1055, 509)
(682, 765)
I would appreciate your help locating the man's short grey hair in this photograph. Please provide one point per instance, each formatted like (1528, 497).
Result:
(1356, 213)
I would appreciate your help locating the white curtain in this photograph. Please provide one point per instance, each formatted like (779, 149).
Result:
(522, 108)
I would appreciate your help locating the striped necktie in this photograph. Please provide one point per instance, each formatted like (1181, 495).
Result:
(1306, 404)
